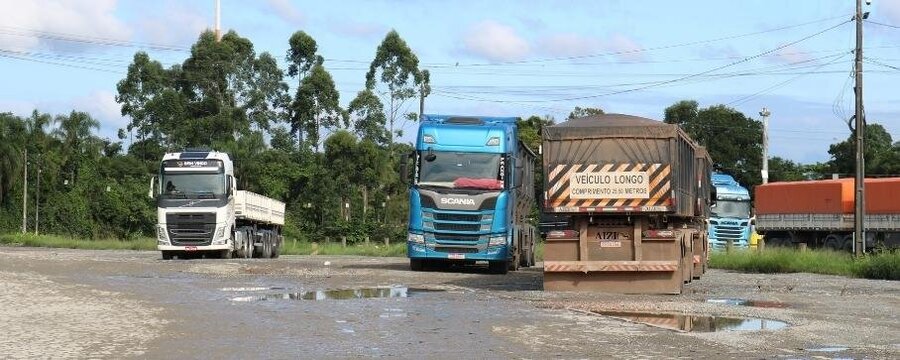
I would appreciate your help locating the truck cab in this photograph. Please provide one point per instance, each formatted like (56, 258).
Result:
(470, 193)
(195, 210)
(730, 217)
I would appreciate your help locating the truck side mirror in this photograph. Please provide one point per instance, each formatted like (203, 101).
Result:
(151, 193)
(229, 186)
(712, 196)
(404, 171)
(404, 167)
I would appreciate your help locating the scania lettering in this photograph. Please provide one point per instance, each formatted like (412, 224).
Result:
(471, 194)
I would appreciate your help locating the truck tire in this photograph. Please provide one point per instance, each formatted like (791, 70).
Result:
(225, 254)
(514, 263)
(499, 267)
(276, 249)
(167, 255)
(834, 242)
(417, 264)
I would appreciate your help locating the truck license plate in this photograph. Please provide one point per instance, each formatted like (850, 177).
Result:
(190, 248)
(456, 256)
(610, 244)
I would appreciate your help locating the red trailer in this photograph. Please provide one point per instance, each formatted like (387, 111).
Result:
(821, 213)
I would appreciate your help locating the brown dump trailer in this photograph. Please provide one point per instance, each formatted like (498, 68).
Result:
(632, 187)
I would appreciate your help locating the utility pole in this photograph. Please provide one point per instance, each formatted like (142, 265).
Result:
(25, 196)
(859, 182)
(218, 18)
(765, 145)
(37, 201)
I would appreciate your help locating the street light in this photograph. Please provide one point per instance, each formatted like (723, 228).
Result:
(765, 145)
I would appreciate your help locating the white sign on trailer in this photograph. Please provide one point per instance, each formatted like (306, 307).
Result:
(610, 185)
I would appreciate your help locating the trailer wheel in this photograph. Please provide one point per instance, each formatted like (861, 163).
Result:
(276, 249)
(834, 242)
(167, 255)
(417, 264)
(499, 267)
(847, 244)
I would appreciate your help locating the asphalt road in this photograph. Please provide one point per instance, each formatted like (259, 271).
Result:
(58, 303)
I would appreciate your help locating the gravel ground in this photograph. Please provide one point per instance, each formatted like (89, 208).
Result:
(57, 303)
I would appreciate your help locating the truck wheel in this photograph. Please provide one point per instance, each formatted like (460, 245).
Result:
(417, 264)
(276, 249)
(833, 242)
(225, 254)
(514, 263)
(167, 255)
(498, 267)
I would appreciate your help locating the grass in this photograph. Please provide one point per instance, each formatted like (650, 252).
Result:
(54, 241)
(882, 265)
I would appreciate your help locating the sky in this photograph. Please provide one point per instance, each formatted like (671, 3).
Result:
(497, 58)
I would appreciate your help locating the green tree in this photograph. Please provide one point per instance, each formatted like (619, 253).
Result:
(396, 67)
(879, 153)
(583, 112)
(732, 139)
(12, 148)
(781, 169)
(76, 134)
(367, 113)
(316, 105)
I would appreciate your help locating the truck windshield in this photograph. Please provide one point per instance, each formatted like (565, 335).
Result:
(457, 170)
(193, 185)
(731, 208)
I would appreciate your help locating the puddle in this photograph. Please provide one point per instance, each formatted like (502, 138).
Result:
(249, 289)
(338, 294)
(751, 303)
(828, 348)
(696, 323)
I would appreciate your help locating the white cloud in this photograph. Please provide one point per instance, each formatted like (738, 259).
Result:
(100, 104)
(93, 18)
(287, 12)
(494, 41)
(569, 45)
(157, 26)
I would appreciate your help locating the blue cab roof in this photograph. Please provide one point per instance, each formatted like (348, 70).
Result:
(465, 133)
(727, 186)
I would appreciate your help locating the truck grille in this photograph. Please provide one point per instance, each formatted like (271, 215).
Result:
(455, 237)
(457, 217)
(456, 227)
(191, 229)
(729, 232)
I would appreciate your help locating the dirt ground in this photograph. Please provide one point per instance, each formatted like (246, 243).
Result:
(58, 303)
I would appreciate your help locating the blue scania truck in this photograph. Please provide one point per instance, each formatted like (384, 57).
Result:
(730, 215)
(471, 194)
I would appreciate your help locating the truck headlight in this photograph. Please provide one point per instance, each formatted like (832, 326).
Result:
(497, 240)
(220, 239)
(161, 237)
(416, 238)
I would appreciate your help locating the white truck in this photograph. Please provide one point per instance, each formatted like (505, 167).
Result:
(200, 211)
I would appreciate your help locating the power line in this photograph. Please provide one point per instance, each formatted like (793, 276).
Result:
(746, 59)
(780, 84)
(882, 24)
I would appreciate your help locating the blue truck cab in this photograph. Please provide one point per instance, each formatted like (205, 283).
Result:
(470, 194)
(730, 214)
